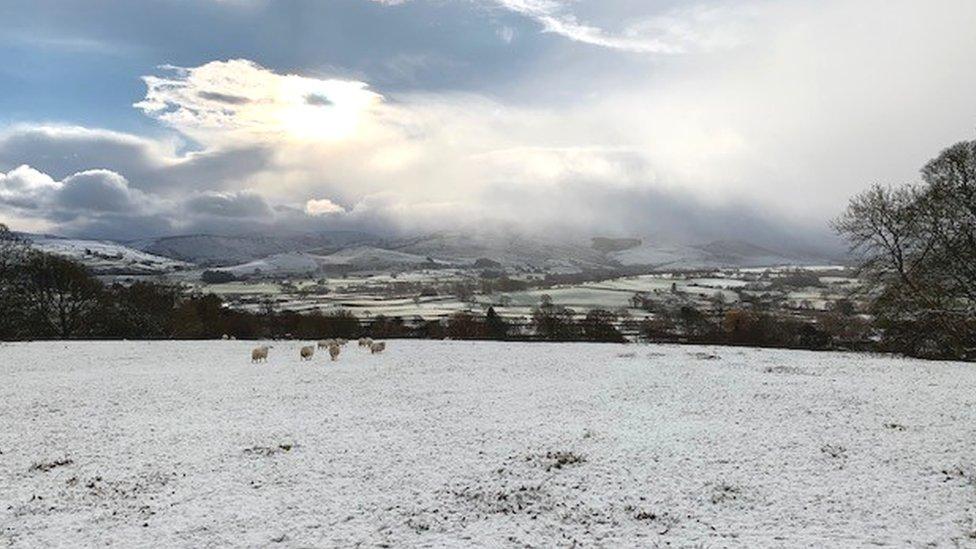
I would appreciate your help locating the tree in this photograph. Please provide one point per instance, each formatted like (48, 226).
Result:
(495, 327)
(464, 325)
(553, 322)
(916, 247)
(141, 310)
(599, 325)
(947, 210)
(13, 255)
(217, 277)
(60, 295)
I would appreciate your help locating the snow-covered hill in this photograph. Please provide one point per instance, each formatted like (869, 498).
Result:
(369, 258)
(290, 264)
(725, 253)
(363, 258)
(463, 444)
(508, 250)
(105, 257)
(216, 250)
(307, 253)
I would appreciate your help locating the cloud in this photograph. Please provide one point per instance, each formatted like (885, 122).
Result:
(157, 164)
(241, 204)
(102, 203)
(91, 191)
(323, 206)
(703, 26)
(98, 191)
(80, 201)
(238, 100)
(773, 116)
(25, 187)
(555, 18)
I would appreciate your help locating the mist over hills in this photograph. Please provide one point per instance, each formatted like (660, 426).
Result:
(291, 254)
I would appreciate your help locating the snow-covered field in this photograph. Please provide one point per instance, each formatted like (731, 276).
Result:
(437, 443)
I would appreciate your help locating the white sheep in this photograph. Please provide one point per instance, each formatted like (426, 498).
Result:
(377, 347)
(341, 342)
(365, 342)
(307, 352)
(325, 343)
(334, 351)
(260, 354)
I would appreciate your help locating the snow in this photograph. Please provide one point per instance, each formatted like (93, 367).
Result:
(706, 256)
(363, 258)
(439, 443)
(103, 256)
(297, 263)
(367, 258)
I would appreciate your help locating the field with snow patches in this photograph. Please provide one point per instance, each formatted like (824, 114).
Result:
(482, 444)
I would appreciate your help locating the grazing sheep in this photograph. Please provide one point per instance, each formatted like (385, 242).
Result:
(377, 347)
(334, 351)
(307, 352)
(362, 341)
(366, 343)
(260, 354)
(325, 343)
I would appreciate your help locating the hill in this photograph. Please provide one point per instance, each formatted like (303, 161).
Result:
(106, 257)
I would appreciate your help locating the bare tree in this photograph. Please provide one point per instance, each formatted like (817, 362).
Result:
(13, 254)
(916, 246)
(60, 294)
(947, 210)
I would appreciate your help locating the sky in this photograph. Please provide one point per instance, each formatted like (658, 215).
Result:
(671, 120)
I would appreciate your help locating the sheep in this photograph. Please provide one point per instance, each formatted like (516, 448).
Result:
(334, 351)
(260, 354)
(307, 352)
(341, 342)
(362, 342)
(377, 347)
(325, 343)
(365, 342)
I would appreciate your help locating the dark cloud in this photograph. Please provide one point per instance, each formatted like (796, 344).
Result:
(98, 191)
(241, 204)
(61, 151)
(224, 98)
(317, 100)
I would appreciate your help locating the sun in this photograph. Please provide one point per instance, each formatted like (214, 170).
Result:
(322, 110)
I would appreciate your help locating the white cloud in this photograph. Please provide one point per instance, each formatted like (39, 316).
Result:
(555, 17)
(322, 206)
(25, 187)
(240, 100)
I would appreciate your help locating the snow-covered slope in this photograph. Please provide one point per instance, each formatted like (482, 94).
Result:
(460, 444)
(506, 249)
(726, 253)
(105, 257)
(215, 250)
(371, 258)
(289, 264)
(299, 263)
